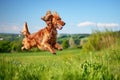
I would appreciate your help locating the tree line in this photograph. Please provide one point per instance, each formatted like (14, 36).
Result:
(14, 45)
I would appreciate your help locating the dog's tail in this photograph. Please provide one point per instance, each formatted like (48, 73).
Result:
(25, 30)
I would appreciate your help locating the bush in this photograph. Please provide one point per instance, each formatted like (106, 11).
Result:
(101, 40)
(65, 44)
(4, 46)
(16, 46)
(8, 46)
(83, 41)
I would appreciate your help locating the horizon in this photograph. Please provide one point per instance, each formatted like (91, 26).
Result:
(80, 16)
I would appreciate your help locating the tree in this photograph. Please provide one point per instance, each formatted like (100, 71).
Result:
(83, 41)
(72, 43)
(65, 44)
(4, 46)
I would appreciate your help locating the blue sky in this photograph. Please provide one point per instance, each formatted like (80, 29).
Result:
(80, 16)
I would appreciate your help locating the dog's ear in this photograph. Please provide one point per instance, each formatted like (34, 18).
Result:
(48, 12)
(47, 17)
(55, 13)
(43, 18)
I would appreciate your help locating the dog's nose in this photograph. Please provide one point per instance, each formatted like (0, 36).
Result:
(64, 24)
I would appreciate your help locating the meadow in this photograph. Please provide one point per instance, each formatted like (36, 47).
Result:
(88, 63)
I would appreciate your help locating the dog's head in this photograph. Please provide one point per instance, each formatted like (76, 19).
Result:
(53, 20)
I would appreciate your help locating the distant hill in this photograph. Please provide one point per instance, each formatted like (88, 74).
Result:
(10, 37)
(76, 37)
(61, 37)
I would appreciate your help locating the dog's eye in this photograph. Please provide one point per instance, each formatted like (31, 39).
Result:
(59, 19)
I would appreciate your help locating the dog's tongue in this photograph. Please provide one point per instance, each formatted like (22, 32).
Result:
(59, 28)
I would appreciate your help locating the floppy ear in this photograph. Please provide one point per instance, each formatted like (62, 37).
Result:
(48, 12)
(55, 13)
(43, 18)
(47, 16)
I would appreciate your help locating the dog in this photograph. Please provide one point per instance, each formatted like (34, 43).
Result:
(46, 38)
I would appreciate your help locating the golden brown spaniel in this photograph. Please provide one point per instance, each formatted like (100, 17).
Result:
(44, 39)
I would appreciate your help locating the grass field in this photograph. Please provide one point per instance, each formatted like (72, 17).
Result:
(69, 64)
(98, 60)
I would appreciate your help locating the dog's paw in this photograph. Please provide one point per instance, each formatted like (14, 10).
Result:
(22, 48)
(61, 49)
(54, 53)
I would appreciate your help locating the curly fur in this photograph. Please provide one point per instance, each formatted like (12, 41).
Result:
(44, 39)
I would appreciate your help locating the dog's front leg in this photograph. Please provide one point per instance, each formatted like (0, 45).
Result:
(58, 46)
(50, 48)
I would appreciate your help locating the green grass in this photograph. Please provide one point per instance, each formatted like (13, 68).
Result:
(69, 64)
(97, 63)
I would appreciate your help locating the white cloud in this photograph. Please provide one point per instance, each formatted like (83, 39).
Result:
(87, 23)
(106, 25)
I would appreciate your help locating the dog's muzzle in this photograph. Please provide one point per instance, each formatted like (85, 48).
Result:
(60, 25)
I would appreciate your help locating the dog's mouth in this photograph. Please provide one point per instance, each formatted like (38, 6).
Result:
(59, 26)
